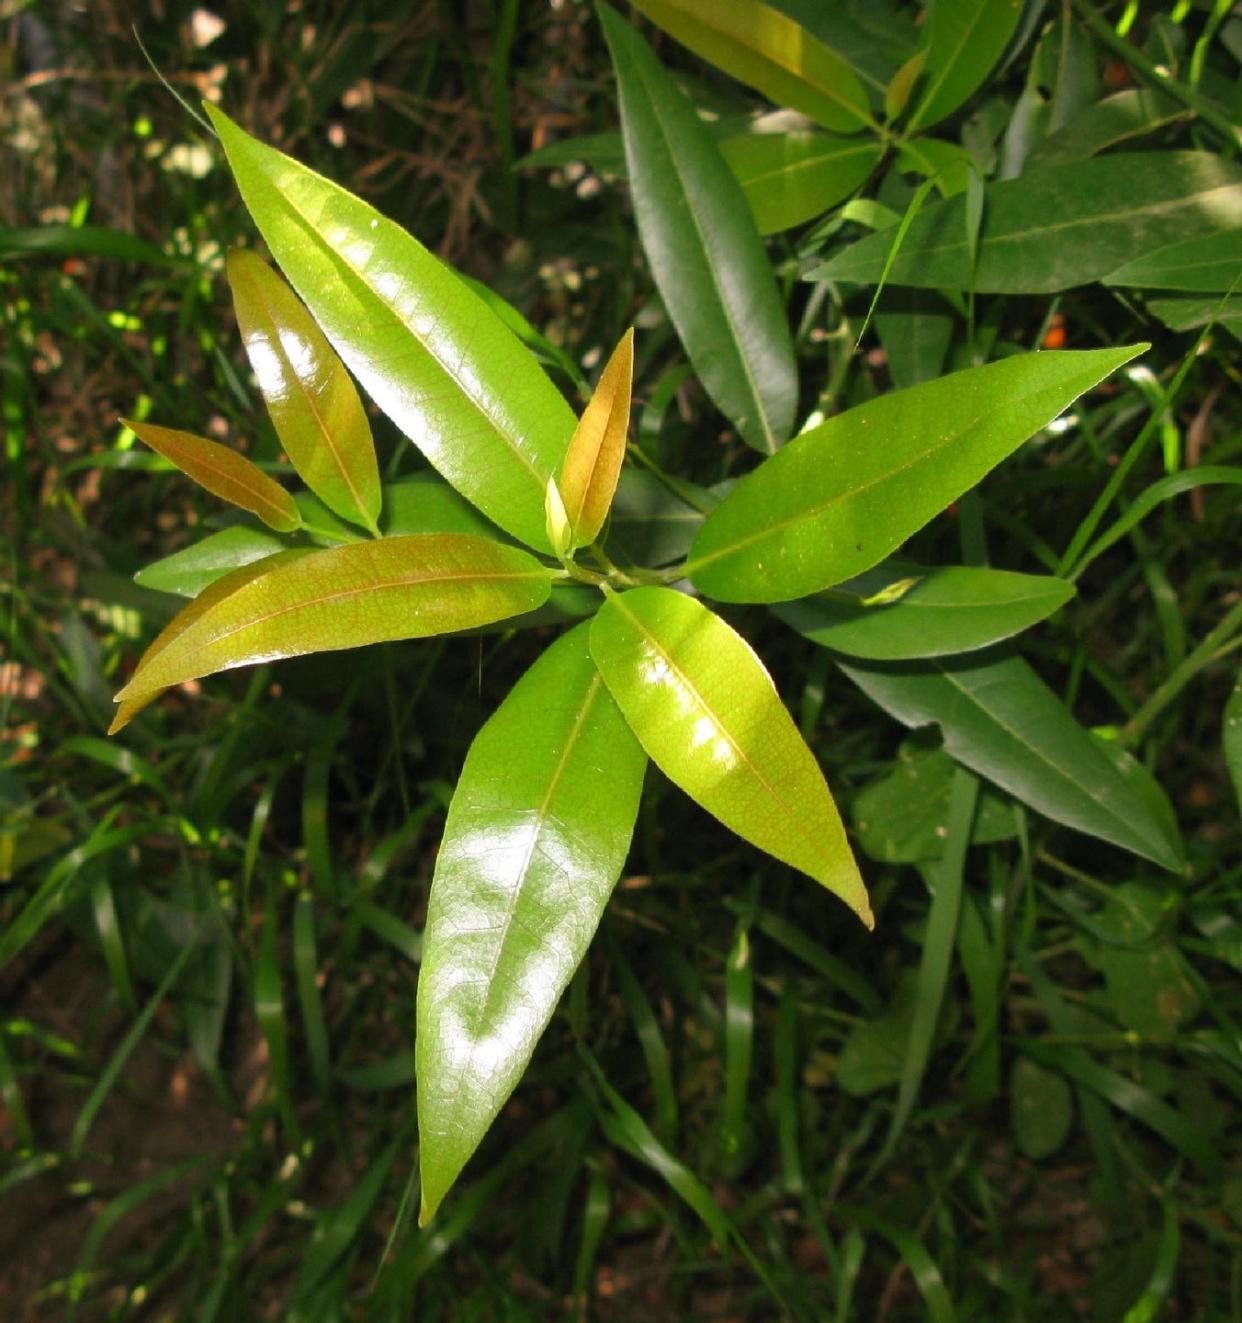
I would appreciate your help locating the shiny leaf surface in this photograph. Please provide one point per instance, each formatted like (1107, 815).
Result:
(344, 597)
(1057, 225)
(426, 348)
(705, 253)
(768, 51)
(593, 460)
(189, 571)
(224, 473)
(947, 610)
(211, 596)
(789, 178)
(706, 711)
(1002, 721)
(965, 39)
(536, 836)
(309, 395)
(841, 497)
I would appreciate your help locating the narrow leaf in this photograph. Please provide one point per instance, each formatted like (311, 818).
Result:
(1231, 739)
(952, 609)
(311, 398)
(705, 253)
(965, 40)
(1211, 264)
(211, 596)
(1127, 114)
(706, 711)
(1001, 720)
(189, 571)
(426, 348)
(364, 592)
(789, 178)
(536, 836)
(1057, 226)
(560, 535)
(841, 497)
(224, 473)
(593, 460)
(768, 51)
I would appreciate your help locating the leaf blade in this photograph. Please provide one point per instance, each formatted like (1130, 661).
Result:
(965, 40)
(458, 382)
(224, 473)
(536, 837)
(311, 399)
(712, 273)
(707, 713)
(347, 596)
(833, 503)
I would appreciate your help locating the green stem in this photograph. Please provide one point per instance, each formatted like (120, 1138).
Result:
(1218, 641)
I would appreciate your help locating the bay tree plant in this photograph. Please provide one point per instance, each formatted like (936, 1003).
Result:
(532, 514)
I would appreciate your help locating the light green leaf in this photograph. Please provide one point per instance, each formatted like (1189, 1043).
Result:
(789, 178)
(309, 395)
(951, 609)
(427, 349)
(965, 40)
(1057, 226)
(705, 253)
(841, 497)
(189, 571)
(763, 48)
(1211, 264)
(423, 503)
(344, 597)
(536, 836)
(223, 472)
(593, 460)
(706, 711)
(1001, 720)
(217, 591)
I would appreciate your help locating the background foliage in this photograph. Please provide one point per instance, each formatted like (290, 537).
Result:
(211, 931)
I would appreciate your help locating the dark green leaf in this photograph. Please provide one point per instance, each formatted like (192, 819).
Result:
(965, 39)
(1127, 114)
(915, 327)
(536, 836)
(1208, 264)
(1041, 1109)
(79, 241)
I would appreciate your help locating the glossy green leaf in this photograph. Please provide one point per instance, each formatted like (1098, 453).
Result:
(1231, 739)
(1209, 264)
(221, 588)
(965, 40)
(951, 609)
(706, 711)
(1002, 721)
(426, 348)
(768, 51)
(224, 473)
(536, 836)
(189, 571)
(593, 461)
(1124, 115)
(841, 497)
(344, 597)
(1041, 1109)
(1057, 226)
(705, 253)
(311, 399)
(424, 503)
(789, 178)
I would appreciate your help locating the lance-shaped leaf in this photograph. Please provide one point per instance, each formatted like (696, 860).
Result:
(770, 52)
(536, 836)
(311, 398)
(188, 571)
(1212, 263)
(705, 253)
(364, 592)
(1056, 226)
(898, 611)
(224, 473)
(593, 460)
(211, 596)
(1001, 720)
(426, 348)
(965, 40)
(708, 714)
(789, 178)
(841, 497)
